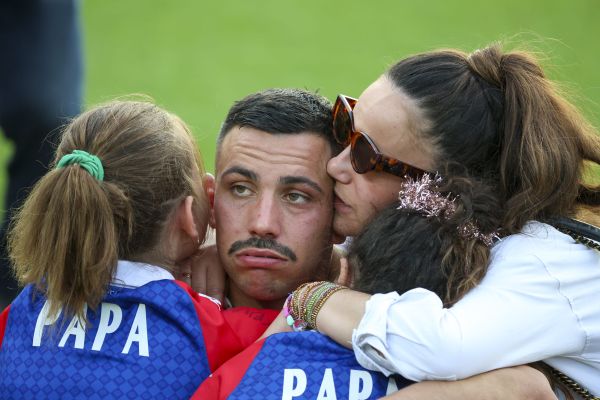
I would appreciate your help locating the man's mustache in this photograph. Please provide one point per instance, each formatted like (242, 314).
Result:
(262, 243)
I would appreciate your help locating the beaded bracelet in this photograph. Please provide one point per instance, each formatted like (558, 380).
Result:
(312, 318)
(296, 324)
(293, 306)
(303, 305)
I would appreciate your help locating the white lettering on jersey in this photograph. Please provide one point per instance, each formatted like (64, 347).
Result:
(358, 379)
(106, 326)
(76, 328)
(392, 386)
(138, 333)
(294, 383)
(327, 389)
(43, 320)
(360, 385)
(111, 318)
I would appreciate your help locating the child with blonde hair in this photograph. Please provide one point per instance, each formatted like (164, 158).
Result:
(99, 244)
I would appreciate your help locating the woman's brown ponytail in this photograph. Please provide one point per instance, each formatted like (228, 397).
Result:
(544, 140)
(496, 114)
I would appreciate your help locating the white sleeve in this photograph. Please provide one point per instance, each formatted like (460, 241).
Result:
(514, 316)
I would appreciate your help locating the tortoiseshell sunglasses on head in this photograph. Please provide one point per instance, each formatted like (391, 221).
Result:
(364, 154)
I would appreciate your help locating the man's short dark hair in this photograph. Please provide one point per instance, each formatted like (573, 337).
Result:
(282, 111)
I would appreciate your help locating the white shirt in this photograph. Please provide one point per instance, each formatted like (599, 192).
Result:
(136, 274)
(540, 300)
(133, 274)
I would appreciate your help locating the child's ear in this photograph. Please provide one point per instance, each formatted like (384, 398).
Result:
(185, 218)
(208, 183)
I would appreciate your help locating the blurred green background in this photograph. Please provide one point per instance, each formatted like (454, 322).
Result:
(196, 57)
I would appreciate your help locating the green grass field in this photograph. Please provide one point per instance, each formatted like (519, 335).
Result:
(196, 57)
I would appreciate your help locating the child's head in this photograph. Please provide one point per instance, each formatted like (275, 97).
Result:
(74, 226)
(436, 237)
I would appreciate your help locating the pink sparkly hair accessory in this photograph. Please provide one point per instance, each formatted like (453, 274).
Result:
(420, 195)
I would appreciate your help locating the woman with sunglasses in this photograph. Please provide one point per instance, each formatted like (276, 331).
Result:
(535, 293)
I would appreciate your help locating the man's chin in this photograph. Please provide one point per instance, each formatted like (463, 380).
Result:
(264, 295)
(263, 289)
(266, 299)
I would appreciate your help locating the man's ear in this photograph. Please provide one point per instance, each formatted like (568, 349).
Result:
(208, 183)
(185, 218)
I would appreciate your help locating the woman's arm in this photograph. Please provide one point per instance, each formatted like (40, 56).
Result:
(503, 384)
(515, 383)
(341, 314)
(506, 320)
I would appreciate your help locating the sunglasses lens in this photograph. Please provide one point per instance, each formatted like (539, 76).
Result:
(362, 155)
(342, 125)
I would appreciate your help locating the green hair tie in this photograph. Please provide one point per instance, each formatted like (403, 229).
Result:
(87, 161)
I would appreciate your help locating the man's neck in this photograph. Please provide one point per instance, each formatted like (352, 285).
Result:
(240, 299)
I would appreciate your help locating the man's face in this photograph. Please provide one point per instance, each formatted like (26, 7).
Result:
(393, 121)
(273, 211)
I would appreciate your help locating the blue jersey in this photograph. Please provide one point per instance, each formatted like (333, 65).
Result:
(297, 365)
(159, 340)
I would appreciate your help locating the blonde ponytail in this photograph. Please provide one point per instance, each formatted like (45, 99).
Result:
(71, 230)
(64, 239)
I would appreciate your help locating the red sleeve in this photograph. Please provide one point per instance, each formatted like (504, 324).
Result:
(223, 381)
(3, 322)
(249, 322)
(220, 340)
(226, 334)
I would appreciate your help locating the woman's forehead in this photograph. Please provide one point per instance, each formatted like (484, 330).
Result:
(395, 122)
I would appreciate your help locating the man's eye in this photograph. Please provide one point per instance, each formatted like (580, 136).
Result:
(241, 190)
(297, 198)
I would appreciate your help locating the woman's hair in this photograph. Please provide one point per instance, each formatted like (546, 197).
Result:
(496, 114)
(71, 230)
(403, 248)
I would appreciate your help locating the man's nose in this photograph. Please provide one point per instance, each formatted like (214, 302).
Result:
(340, 167)
(266, 218)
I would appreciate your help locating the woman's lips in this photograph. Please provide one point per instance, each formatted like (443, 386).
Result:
(340, 205)
(260, 258)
